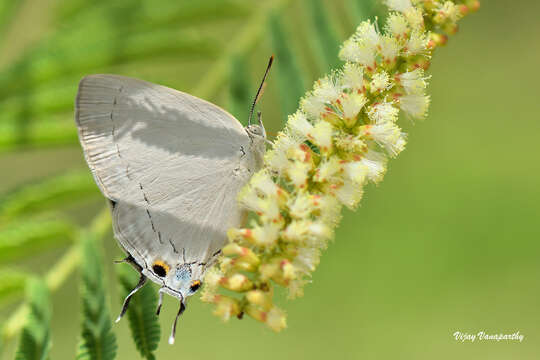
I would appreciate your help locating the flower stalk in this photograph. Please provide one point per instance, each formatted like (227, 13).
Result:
(340, 138)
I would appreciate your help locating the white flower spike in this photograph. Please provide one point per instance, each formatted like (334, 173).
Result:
(339, 140)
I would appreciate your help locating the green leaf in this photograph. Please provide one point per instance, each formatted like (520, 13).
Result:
(37, 91)
(289, 76)
(37, 131)
(98, 342)
(240, 94)
(12, 283)
(142, 318)
(147, 15)
(27, 237)
(326, 40)
(363, 10)
(79, 55)
(44, 82)
(121, 31)
(53, 97)
(219, 73)
(7, 9)
(35, 340)
(47, 194)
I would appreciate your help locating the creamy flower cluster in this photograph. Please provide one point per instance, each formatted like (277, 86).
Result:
(340, 139)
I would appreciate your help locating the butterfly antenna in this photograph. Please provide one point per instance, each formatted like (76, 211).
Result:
(260, 89)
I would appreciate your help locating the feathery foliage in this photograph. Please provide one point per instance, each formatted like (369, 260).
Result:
(23, 238)
(288, 71)
(42, 117)
(361, 10)
(98, 341)
(142, 318)
(35, 340)
(7, 8)
(12, 283)
(240, 86)
(47, 194)
(325, 41)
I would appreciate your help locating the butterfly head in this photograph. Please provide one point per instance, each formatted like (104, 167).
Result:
(256, 131)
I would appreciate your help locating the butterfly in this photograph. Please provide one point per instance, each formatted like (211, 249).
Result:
(170, 165)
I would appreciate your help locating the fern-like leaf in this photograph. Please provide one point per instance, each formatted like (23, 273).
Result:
(362, 10)
(37, 90)
(37, 133)
(240, 94)
(142, 318)
(289, 76)
(121, 31)
(26, 237)
(149, 15)
(98, 342)
(47, 194)
(12, 283)
(35, 340)
(43, 65)
(7, 9)
(326, 41)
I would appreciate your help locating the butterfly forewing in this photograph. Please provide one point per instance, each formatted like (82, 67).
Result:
(171, 163)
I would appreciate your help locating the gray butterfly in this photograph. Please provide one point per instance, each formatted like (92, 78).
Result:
(171, 166)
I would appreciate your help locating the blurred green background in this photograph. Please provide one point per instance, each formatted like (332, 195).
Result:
(448, 242)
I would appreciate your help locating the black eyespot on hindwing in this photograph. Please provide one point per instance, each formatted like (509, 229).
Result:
(160, 268)
(195, 286)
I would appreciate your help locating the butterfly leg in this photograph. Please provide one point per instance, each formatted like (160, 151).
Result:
(140, 284)
(124, 260)
(160, 302)
(131, 261)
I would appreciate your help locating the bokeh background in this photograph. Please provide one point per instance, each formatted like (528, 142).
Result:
(449, 241)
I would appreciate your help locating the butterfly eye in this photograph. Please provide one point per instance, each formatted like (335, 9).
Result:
(195, 285)
(255, 130)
